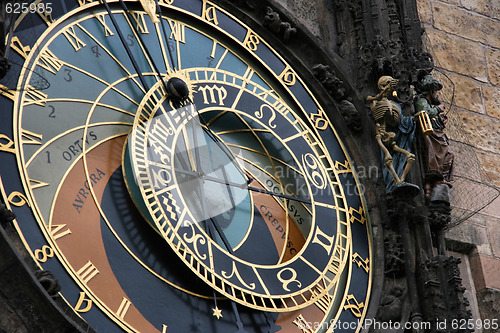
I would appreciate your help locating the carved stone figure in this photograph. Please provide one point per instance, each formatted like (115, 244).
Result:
(390, 305)
(275, 24)
(387, 116)
(49, 282)
(438, 154)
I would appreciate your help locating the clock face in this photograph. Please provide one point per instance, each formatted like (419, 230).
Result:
(176, 174)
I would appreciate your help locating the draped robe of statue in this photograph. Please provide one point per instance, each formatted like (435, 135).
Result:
(438, 153)
(405, 134)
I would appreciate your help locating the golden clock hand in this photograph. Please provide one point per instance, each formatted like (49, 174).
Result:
(150, 9)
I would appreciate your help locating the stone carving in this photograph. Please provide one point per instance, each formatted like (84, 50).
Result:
(439, 216)
(6, 216)
(394, 256)
(391, 305)
(275, 24)
(442, 291)
(351, 115)
(330, 81)
(334, 86)
(49, 282)
(387, 116)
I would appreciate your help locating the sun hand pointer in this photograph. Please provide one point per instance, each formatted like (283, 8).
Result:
(150, 8)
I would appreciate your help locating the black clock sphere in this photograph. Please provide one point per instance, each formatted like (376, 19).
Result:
(176, 174)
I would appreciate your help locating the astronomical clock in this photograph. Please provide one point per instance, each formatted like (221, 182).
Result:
(177, 173)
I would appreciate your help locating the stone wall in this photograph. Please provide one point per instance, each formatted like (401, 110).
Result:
(464, 38)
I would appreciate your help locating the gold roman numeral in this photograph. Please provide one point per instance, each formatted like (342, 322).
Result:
(37, 184)
(122, 310)
(324, 302)
(56, 231)
(178, 31)
(73, 39)
(30, 138)
(302, 324)
(102, 19)
(323, 239)
(140, 21)
(87, 272)
(50, 62)
(35, 96)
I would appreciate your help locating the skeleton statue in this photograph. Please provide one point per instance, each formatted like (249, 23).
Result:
(387, 116)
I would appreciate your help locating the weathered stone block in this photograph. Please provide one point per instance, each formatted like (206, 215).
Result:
(451, 2)
(424, 11)
(493, 64)
(457, 54)
(491, 97)
(479, 6)
(493, 224)
(484, 271)
(467, 93)
(490, 165)
(495, 9)
(471, 233)
(466, 24)
(494, 208)
(491, 267)
(482, 131)
(476, 270)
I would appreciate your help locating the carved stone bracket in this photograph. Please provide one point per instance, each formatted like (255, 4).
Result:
(49, 282)
(282, 29)
(391, 304)
(330, 81)
(6, 216)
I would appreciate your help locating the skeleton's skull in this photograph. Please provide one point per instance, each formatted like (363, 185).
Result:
(387, 81)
